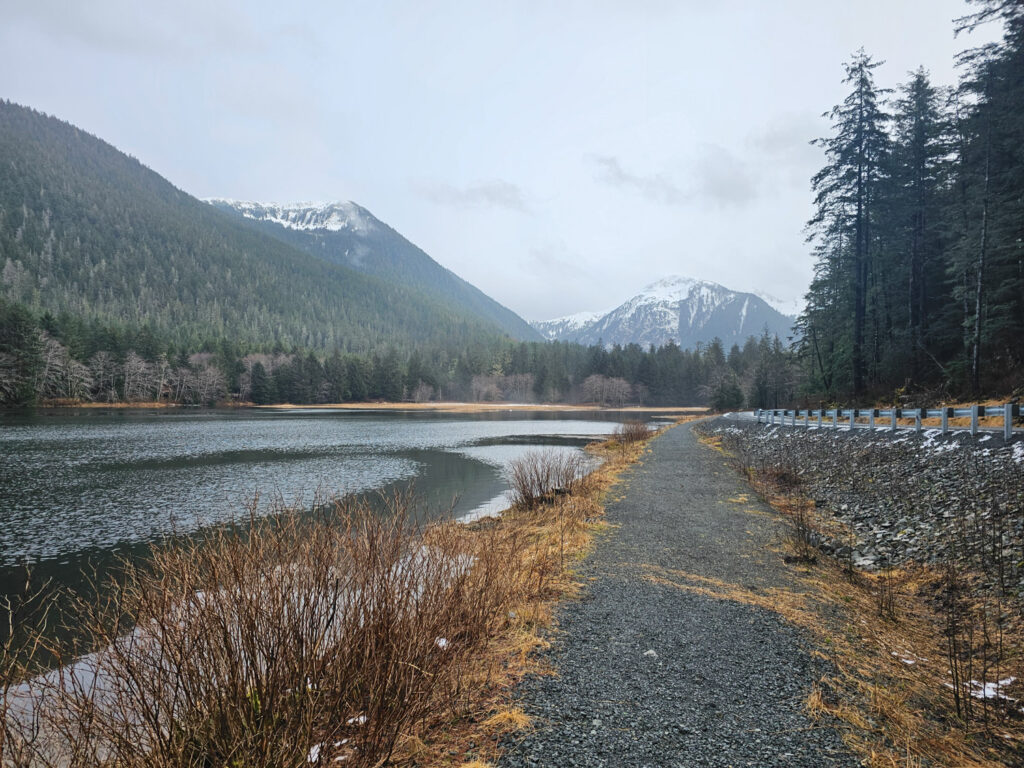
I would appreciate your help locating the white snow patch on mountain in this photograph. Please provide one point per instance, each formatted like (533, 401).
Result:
(331, 216)
(790, 307)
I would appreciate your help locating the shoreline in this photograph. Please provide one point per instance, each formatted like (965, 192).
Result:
(488, 407)
(439, 407)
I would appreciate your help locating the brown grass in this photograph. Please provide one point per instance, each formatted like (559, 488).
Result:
(368, 636)
(486, 407)
(886, 637)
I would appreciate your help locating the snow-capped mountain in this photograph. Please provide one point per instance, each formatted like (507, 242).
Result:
(678, 309)
(345, 233)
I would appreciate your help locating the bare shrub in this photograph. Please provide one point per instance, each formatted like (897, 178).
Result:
(23, 617)
(631, 432)
(886, 592)
(291, 641)
(540, 475)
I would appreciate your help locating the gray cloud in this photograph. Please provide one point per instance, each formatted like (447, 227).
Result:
(143, 30)
(494, 193)
(722, 178)
(785, 146)
(657, 188)
(717, 177)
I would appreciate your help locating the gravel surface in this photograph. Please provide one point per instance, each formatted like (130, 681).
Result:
(905, 496)
(651, 675)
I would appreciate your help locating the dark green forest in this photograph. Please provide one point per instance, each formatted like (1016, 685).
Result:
(60, 357)
(918, 233)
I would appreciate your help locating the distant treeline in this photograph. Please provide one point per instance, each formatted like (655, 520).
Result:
(51, 358)
(919, 230)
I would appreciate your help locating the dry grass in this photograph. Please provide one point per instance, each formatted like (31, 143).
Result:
(485, 407)
(886, 635)
(357, 635)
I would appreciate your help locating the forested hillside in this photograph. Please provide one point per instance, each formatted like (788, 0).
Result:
(919, 230)
(90, 232)
(348, 234)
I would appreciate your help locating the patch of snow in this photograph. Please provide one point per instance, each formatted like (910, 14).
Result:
(330, 216)
(992, 690)
(442, 643)
(905, 657)
(1018, 452)
(314, 754)
(790, 307)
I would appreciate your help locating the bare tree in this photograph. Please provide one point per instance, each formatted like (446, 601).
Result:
(422, 392)
(103, 369)
(518, 387)
(485, 388)
(135, 375)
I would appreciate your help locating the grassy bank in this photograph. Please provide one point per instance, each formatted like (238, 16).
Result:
(486, 407)
(912, 648)
(301, 639)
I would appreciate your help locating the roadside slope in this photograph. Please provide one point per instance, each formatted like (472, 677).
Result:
(654, 670)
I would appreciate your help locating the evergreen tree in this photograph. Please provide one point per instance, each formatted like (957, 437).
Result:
(846, 198)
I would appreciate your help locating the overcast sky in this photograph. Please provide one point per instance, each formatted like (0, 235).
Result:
(558, 155)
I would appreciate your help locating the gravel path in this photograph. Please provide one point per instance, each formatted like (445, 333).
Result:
(651, 675)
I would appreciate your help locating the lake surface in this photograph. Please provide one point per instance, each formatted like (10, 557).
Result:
(80, 488)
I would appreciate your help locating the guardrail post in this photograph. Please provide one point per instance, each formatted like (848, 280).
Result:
(1007, 421)
(917, 420)
(820, 412)
(946, 413)
(871, 419)
(807, 419)
(853, 419)
(835, 418)
(975, 412)
(895, 415)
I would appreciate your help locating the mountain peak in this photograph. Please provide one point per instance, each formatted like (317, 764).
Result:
(332, 216)
(679, 309)
(345, 233)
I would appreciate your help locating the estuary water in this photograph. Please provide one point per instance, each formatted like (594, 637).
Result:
(80, 488)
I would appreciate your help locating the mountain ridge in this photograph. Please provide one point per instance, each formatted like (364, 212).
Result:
(348, 234)
(682, 310)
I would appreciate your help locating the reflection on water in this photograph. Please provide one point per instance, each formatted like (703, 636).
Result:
(78, 487)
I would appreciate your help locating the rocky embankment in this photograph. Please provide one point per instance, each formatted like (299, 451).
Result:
(902, 497)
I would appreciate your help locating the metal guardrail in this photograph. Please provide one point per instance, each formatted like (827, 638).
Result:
(890, 417)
